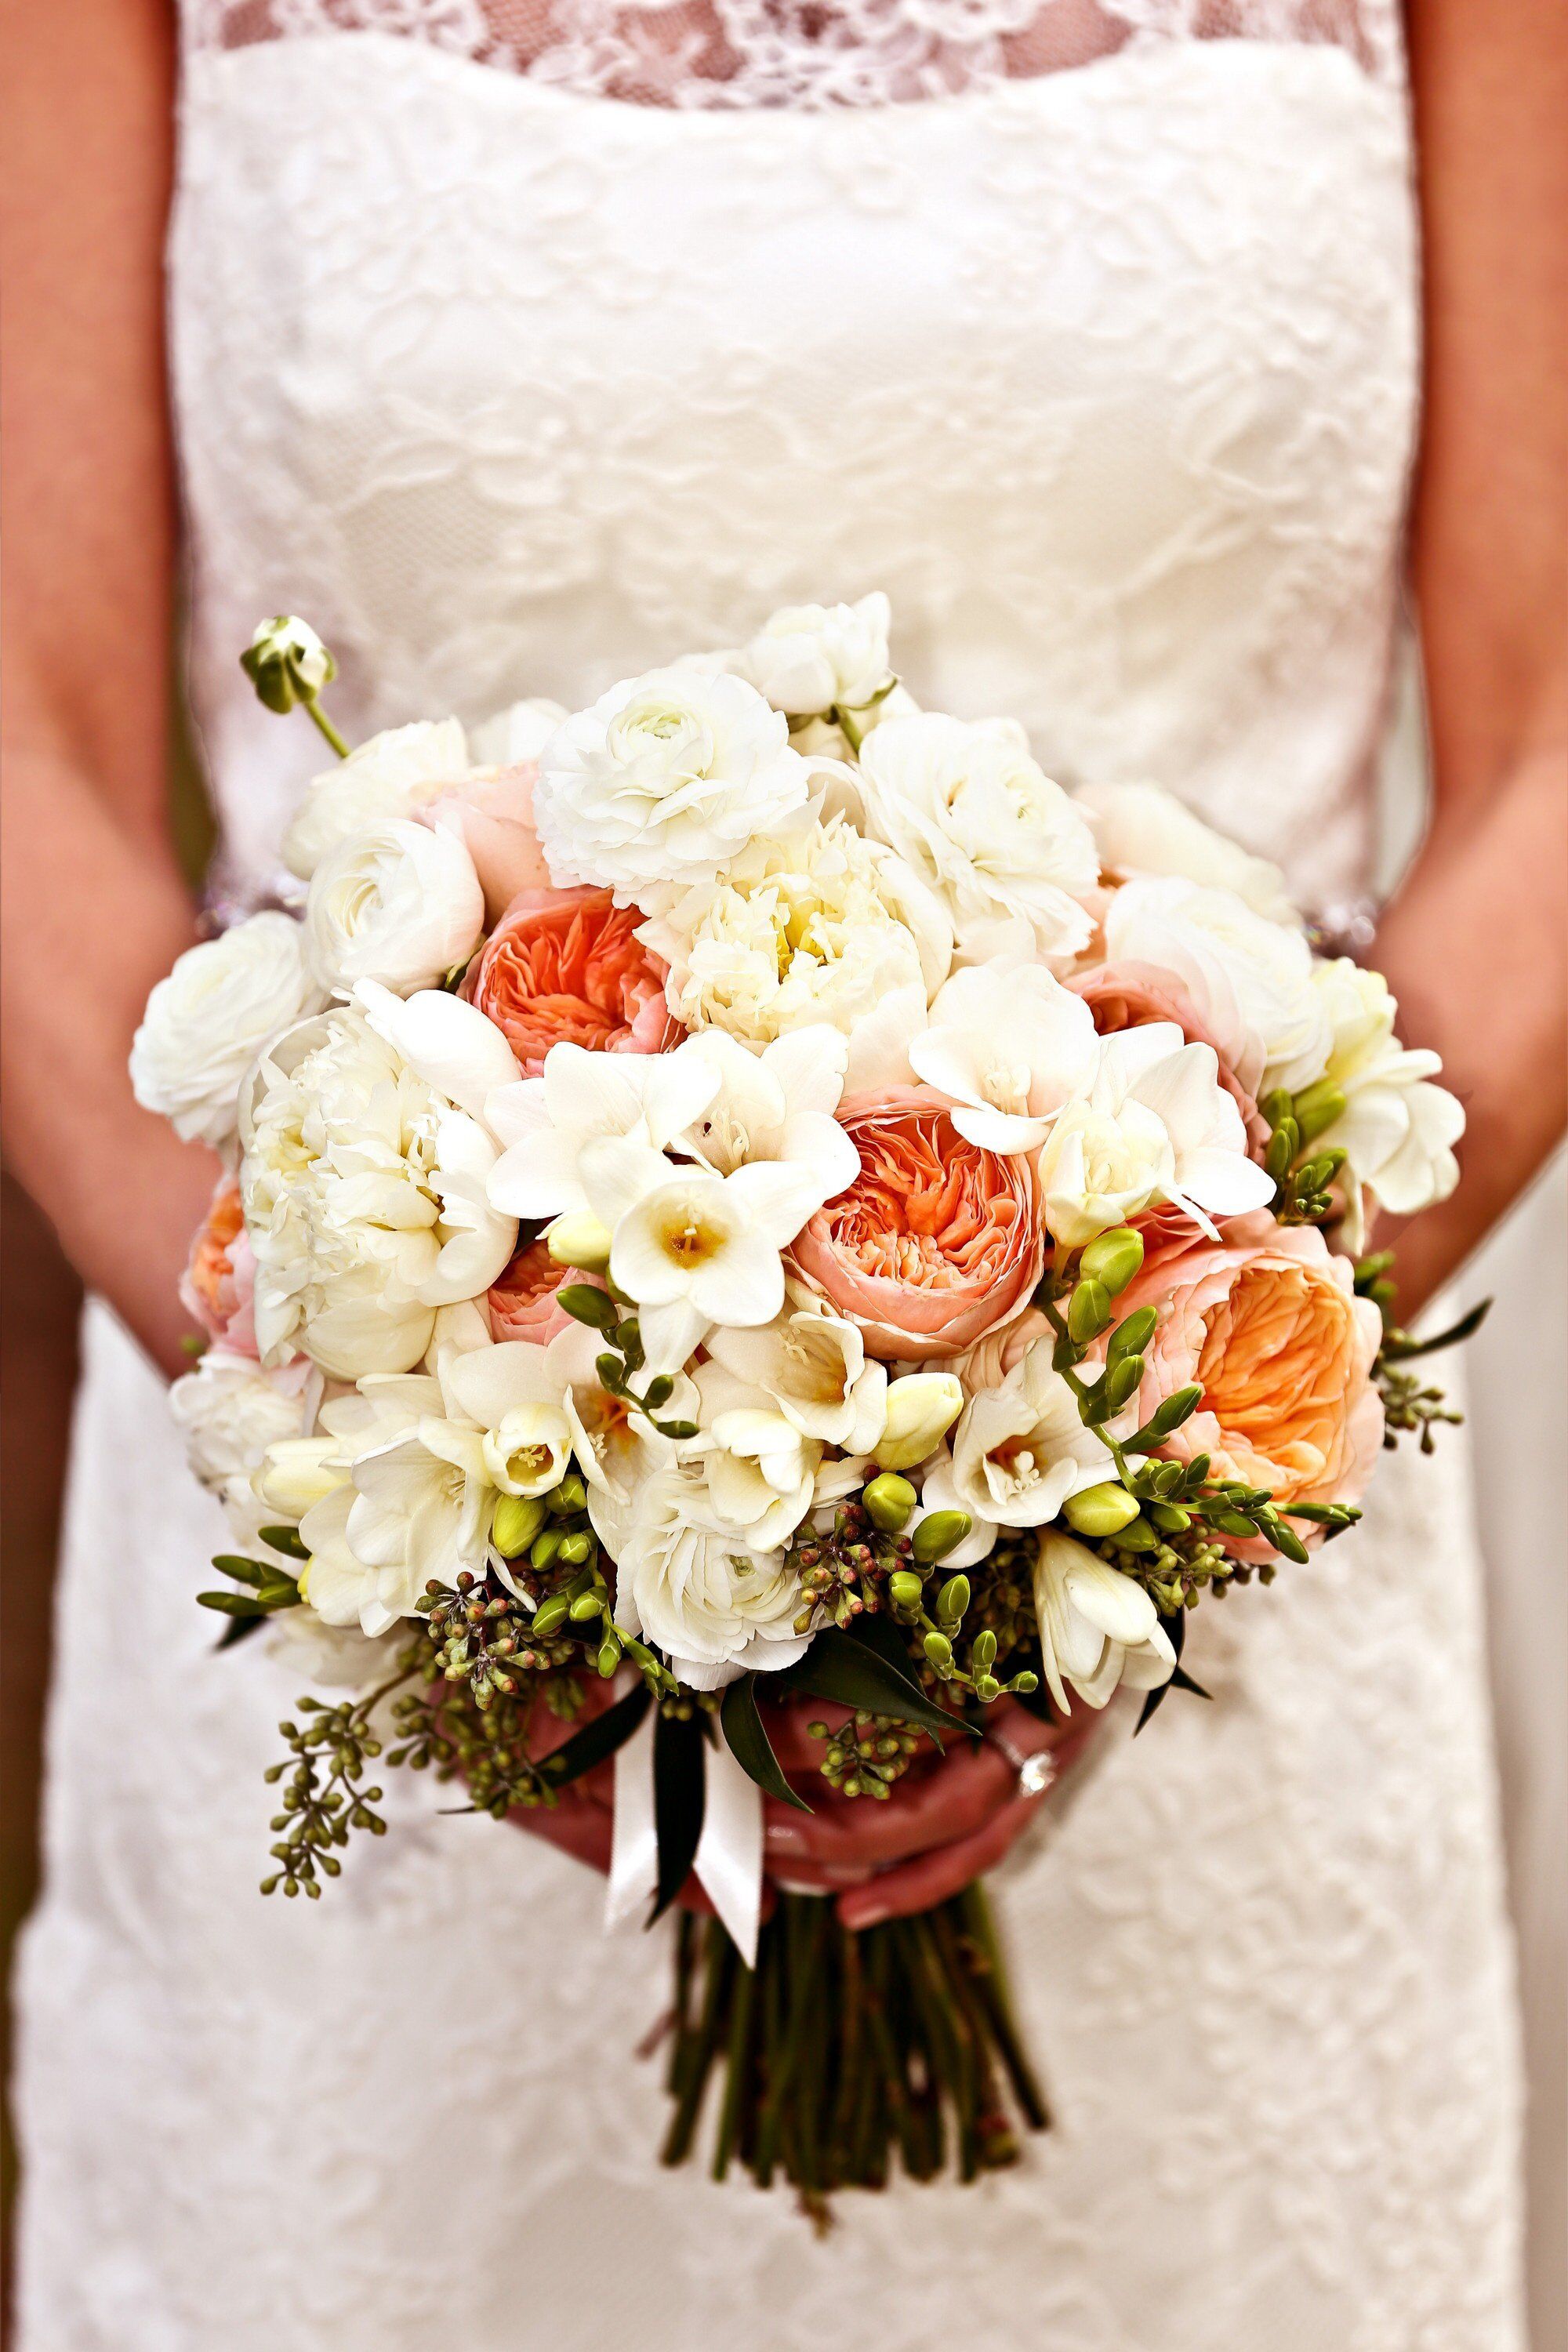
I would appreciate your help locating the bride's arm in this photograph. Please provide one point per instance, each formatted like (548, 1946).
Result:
(1474, 945)
(94, 908)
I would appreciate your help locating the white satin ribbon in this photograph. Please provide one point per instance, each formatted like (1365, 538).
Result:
(728, 1858)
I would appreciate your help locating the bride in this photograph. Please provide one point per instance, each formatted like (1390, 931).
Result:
(519, 343)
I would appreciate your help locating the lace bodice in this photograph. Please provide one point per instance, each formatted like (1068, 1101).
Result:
(1104, 374)
(520, 346)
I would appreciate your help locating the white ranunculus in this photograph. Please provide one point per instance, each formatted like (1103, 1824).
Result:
(1140, 829)
(1008, 1044)
(398, 902)
(809, 658)
(1397, 1129)
(1099, 1629)
(663, 781)
(1250, 979)
(816, 926)
(777, 1105)
(517, 734)
(547, 1123)
(1153, 1124)
(689, 1584)
(986, 829)
(363, 1190)
(207, 1021)
(1018, 1453)
(229, 1411)
(814, 1367)
(391, 775)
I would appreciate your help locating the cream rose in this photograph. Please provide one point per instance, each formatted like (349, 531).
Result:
(1139, 829)
(398, 902)
(207, 1021)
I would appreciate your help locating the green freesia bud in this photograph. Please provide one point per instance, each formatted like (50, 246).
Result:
(551, 1615)
(516, 1523)
(1123, 1381)
(569, 1497)
(1113, 1258)
(921, 1410)
(1132, 1334)
(586, 1605)
(889, 1503)
(579, 1239)
(905, 1589)
(1089, 1312)
(1102, 1510)
(1317, 1108)
(939, 1650)
(941, 1533)
(952, 1600)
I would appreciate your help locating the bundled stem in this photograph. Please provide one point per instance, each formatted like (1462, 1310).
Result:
(841, 2050)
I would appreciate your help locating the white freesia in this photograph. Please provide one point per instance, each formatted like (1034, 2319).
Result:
(922, 1409)
(517, 734)
(814, 1367)
(663, 781)
(1018, 1453)
(760, 1468)
(1250, 979)
(328, 1657)
(1008, 1044)
(984, 828)
(1154, 1125)
(616, 1446)
(1397, 1129)
(1099, 1629)
(686, 1582)
(229, 1412)
(426, 1458)
(398, 902)
(581, 1099)
(809, 658)
(691, 1248)
(1140, 829)
(816, 926)
(296, 1473)
(444, 1040)
(364, 1192)
(207, 1021)
(777, 1105)
(391, 775)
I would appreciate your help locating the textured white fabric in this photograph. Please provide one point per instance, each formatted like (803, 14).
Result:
(1107, 376)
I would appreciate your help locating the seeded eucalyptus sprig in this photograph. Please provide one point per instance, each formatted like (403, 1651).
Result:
(325, 1794)
(1410, 1407)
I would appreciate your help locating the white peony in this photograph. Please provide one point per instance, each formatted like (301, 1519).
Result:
(986, 829)
(1008, 1044)
(1099, 1629)
(363, 1189)
(690, 1584)
(398, 902)
(663, 781)
(207, 1021)
(760, 1468)
(1154, 1125)
(816, 926)
(1397, 1129)
(391, 775)
(1250, 979)
(1140, 829)
(1018, 1453)
(809, 658)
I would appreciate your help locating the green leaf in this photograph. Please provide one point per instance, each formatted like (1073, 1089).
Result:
(239, 1629)
(850, 1674)
(286, 1541)
(1177, 1627)
(746, 1736)
(680, 1793)
(879, 1634)
(597, 1739)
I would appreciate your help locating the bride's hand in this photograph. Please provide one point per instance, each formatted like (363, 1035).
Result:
(946, 1822)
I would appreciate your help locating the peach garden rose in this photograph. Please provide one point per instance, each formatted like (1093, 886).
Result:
(1269, 1324)
(219, 1281)
(567, 967)
(936, 1243)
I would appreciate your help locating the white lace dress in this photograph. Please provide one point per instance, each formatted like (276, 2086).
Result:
(521, 352)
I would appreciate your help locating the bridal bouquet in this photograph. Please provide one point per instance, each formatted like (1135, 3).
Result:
(747, 1208)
